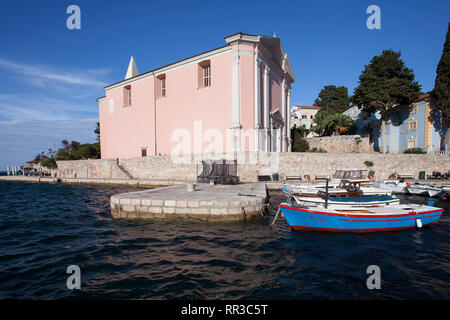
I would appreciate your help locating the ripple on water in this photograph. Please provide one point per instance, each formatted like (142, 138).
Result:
(47, 227)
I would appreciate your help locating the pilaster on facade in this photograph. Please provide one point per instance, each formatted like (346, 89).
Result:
(288, 121)
(257, 99)
(266, 106)
(236, 102)
(257, 91)
(283, 113)
(235, 89)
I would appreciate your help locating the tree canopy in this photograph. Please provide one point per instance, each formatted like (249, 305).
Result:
(332, 98)
(385, 83)
(97, 131)
(70, 151)
(442, 84)
(329, 119)
(334, 123)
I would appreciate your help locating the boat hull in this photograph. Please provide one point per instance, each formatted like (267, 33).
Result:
(362, 201)
(309, 219)
(417, 191)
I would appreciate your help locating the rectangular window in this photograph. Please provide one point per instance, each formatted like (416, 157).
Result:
(312, 117)
(127, 96)
(411, 144)
(207, 76)
(413, 108)
(412, 125)
(204, 74)
(304, 116)
(161, 86)
(144, 152)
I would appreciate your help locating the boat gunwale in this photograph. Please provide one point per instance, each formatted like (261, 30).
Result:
(367, 215)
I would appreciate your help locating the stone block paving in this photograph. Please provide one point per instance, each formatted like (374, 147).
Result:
(207, 202)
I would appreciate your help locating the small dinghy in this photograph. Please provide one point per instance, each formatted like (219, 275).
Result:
(446, 189)
(396, 186)
(435, 192)
(422, 190)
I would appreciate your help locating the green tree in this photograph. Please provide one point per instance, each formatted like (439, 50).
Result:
(329, 119)
(441, 91)
(332, 123)
(74, 145)
(96, 150)
(48, 162)
(385, 83)
(85, 151)
(300, 144)
(37, 159)
(332, 98)
(97, 131)
(62, 154)
(301, 130)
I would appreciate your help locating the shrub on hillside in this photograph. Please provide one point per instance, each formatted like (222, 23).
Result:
(414, 151)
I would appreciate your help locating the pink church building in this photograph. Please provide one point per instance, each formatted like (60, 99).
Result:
(232, 98)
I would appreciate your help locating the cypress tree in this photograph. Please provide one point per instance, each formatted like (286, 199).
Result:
(440, 93)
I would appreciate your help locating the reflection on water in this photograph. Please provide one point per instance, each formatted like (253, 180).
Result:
(46, 228)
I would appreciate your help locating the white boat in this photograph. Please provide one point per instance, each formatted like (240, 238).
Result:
(417, 189)
(435, 192)
(303, 189)
(422, 190)
(348, 194)
(376, 201)
(446, 189)
(395, 186)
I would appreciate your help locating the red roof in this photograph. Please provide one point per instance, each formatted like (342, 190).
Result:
(424, 95)
(307, 107)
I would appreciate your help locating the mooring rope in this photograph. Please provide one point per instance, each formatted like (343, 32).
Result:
(276, 216)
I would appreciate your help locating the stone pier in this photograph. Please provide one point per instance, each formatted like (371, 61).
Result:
(206, 202)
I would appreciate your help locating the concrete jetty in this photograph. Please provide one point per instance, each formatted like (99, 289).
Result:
(130, 182)
(206, 202)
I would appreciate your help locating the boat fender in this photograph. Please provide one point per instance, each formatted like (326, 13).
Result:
(430, 203)
(419, 223)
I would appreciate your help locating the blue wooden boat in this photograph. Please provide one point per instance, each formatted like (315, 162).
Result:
(363, 219)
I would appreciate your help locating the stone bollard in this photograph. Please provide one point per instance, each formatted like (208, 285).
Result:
(190, 187)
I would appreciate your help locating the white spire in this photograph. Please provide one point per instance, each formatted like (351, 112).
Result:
(132, 70)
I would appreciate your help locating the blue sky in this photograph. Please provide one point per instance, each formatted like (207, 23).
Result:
(50, 76)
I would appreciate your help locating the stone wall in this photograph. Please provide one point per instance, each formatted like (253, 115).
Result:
(100, 168)
(341, 144)
(383, 164)
(252, 164)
